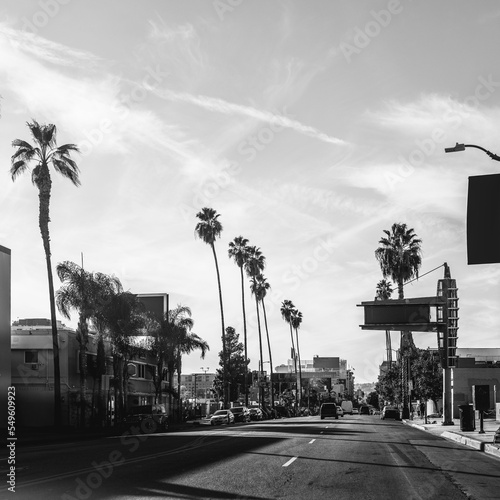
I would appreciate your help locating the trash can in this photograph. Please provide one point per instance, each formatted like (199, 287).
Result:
(467, 418)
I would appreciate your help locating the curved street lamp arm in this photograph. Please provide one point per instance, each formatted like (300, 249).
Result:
(493, 156)
(461, 147)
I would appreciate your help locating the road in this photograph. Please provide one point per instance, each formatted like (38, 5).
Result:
(357, 456)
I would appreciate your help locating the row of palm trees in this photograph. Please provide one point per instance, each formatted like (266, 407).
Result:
(99, 299)
(251, 262)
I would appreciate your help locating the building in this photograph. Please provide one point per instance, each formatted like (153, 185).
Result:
(32, 373)
(197, 386)
(5, 376)
(327, 375)
(475, 366)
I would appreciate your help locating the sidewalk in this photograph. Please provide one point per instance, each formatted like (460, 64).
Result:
(474, 439)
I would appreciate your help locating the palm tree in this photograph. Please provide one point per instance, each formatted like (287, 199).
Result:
(296, 320)
(254, 265)
(81, 290)
(238, 250)
(384, 292)
(124, 317)
(400, 258)
(209, 229)
(183, 341)
(287, 309)
(44, 153)
(262, 287)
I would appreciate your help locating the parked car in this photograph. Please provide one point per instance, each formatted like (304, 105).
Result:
(340, 411)
(255, 413)
(328, 410)
(147, 418)
(390, 412)
(364, 410)
(355, 411)
(218, 418)
(241, 414)
(282, 411)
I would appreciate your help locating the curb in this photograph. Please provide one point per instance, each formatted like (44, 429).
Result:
(477, 444)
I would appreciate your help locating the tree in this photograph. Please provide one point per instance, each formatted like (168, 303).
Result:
(235, 366)
(388, 385)
(287, 309)
(400, 258)
(44, 153)
(384, 292)
(296, 320)
(262, 286)
(428, 376)
(372, 399)
(254, 265)
(184, 341)
(238, 250)
(81, 290)
(125, 319)
(209, 229)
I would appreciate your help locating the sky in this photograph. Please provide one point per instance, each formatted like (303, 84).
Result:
(310, 127)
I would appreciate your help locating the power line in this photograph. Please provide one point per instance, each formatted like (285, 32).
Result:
(428, 272)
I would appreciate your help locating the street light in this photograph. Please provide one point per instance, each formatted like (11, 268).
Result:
(461, 147)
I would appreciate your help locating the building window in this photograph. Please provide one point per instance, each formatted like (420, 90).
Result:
(31, 356)
(141, 371)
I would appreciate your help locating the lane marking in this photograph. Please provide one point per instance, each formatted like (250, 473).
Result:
(312, 441)
(290, 462)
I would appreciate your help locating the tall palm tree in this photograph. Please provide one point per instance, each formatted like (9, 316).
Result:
(42, 154)
(81, 290)
(238, 250)
(287, 309)
(400, 258)
(384, 292)
(296, 320)
(262, 287)
(209, 229)
(254, 265)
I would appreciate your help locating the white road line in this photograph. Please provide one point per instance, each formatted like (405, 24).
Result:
(312, 441)
(290, 462)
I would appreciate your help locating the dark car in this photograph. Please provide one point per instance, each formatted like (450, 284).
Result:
(241, 414)
(147, 418)
(328, 410)
(390, 412)
(364, 410)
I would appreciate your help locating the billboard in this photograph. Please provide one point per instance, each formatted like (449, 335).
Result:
(483, 219)
(156, 303)
(5, 347)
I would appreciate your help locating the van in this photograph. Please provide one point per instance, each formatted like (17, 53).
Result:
(347, 407)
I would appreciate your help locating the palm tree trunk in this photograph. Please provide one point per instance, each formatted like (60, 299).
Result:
(245, 383)
(300, 368)
(82, 357)
(224, 381)
(260, 349)
(270, 355)
(294, 363)
(44, 201)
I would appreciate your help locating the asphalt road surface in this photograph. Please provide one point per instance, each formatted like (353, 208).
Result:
(355, 457)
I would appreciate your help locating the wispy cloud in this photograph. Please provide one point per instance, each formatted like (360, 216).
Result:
(228, 108)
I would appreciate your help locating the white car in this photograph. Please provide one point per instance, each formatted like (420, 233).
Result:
(340, 411)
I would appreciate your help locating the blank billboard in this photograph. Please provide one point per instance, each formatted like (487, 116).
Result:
(483, 219)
